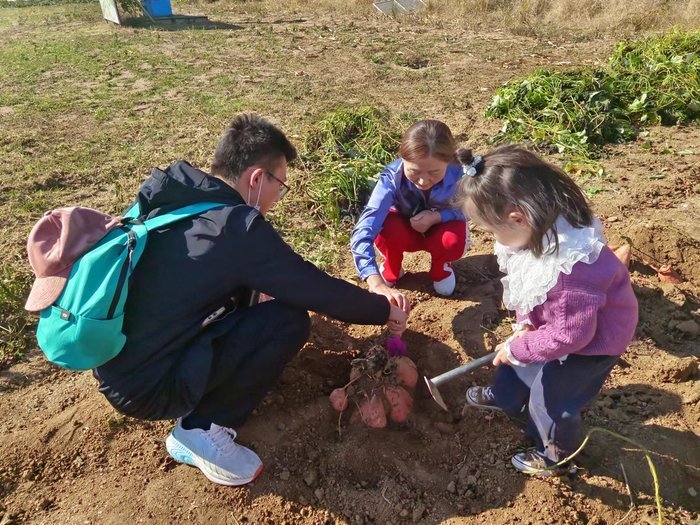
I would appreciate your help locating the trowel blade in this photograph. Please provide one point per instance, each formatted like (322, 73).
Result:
(433, 389)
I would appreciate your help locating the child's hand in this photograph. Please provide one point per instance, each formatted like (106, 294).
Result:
(522, 331)
(421, 222)
(501, 357)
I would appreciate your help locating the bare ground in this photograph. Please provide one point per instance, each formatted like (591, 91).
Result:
(68, 458)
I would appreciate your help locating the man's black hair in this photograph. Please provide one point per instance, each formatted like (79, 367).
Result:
(250, 140)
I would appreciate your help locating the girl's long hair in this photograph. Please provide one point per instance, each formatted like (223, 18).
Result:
(513, 178)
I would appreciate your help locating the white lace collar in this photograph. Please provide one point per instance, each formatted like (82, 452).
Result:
(529, 278)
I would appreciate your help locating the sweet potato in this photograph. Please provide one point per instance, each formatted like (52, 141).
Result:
(400, 402)
(372, 412)
(406, 371)
(339, 399)
(666, 274)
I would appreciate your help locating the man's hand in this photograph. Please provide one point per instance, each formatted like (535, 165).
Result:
(397, 320)
(377, 285)
(421, 222)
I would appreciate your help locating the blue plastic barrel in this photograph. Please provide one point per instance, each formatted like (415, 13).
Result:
(158, 7)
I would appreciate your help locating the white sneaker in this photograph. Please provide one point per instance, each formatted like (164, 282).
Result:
(215, 453)
(390, 284)
(447, 285)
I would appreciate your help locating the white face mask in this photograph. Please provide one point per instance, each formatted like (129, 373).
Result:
(257, 201)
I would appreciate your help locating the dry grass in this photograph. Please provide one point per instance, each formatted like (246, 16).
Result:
(527, 17)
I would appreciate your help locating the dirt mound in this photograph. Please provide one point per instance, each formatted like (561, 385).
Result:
(69, 458)
(665, 245)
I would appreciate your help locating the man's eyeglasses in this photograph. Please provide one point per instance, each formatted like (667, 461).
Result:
(284, 189)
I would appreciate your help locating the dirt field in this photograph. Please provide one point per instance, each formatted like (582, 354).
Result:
(67, 458)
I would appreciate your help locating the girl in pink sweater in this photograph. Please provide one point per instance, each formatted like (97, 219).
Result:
(575, 308)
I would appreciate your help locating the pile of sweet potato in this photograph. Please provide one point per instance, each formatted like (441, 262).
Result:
(380, 388)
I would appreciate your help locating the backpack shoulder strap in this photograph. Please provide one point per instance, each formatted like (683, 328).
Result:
(180, 213)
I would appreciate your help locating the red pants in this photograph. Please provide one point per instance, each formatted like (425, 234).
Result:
(445, 242)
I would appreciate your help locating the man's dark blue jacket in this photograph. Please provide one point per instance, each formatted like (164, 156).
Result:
(190, 269)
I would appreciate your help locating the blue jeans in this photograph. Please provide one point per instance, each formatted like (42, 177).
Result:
(548, 398)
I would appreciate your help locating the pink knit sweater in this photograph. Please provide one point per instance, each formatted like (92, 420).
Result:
(592, 311)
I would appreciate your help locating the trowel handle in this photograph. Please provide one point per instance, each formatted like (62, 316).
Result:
(471, 365)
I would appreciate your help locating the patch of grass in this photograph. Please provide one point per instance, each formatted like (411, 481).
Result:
(15, 336)
(343, 155)
(577, 112)
(35, 3)
(411, 61)
(658, 79)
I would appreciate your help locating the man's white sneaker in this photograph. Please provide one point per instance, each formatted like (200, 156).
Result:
(447, 285)
(215, 453)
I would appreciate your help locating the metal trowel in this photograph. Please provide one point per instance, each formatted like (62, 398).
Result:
(436, 381)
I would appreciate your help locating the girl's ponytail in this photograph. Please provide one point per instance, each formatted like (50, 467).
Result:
(464, 156)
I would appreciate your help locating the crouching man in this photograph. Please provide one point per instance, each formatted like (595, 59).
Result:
(195, 350)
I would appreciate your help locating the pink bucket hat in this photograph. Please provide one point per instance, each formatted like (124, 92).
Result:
(59, 238)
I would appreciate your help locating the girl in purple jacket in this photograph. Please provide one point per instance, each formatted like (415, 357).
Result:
(575, 308)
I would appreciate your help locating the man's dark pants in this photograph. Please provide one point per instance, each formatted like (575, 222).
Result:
(248, 349)
(249, 358)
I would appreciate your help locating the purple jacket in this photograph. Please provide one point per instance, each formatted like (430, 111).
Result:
(592, 311)
(394, 191)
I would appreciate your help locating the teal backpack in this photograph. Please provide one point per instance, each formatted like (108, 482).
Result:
(83, 328)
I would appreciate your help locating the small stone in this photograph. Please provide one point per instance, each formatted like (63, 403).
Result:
(469, 493)
(310, 478)
(319, 494)
(451, 487)
(692, 492)
(284, 475)
(605, 402)
(689, 328)
(678, 370)
(445, 428)
(418, 512)
(596, 520)
(403, 513)
(612, 219)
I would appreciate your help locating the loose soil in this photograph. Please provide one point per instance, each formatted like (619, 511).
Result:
(68, 458)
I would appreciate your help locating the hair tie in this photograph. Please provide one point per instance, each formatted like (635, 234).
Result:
(471, 168)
